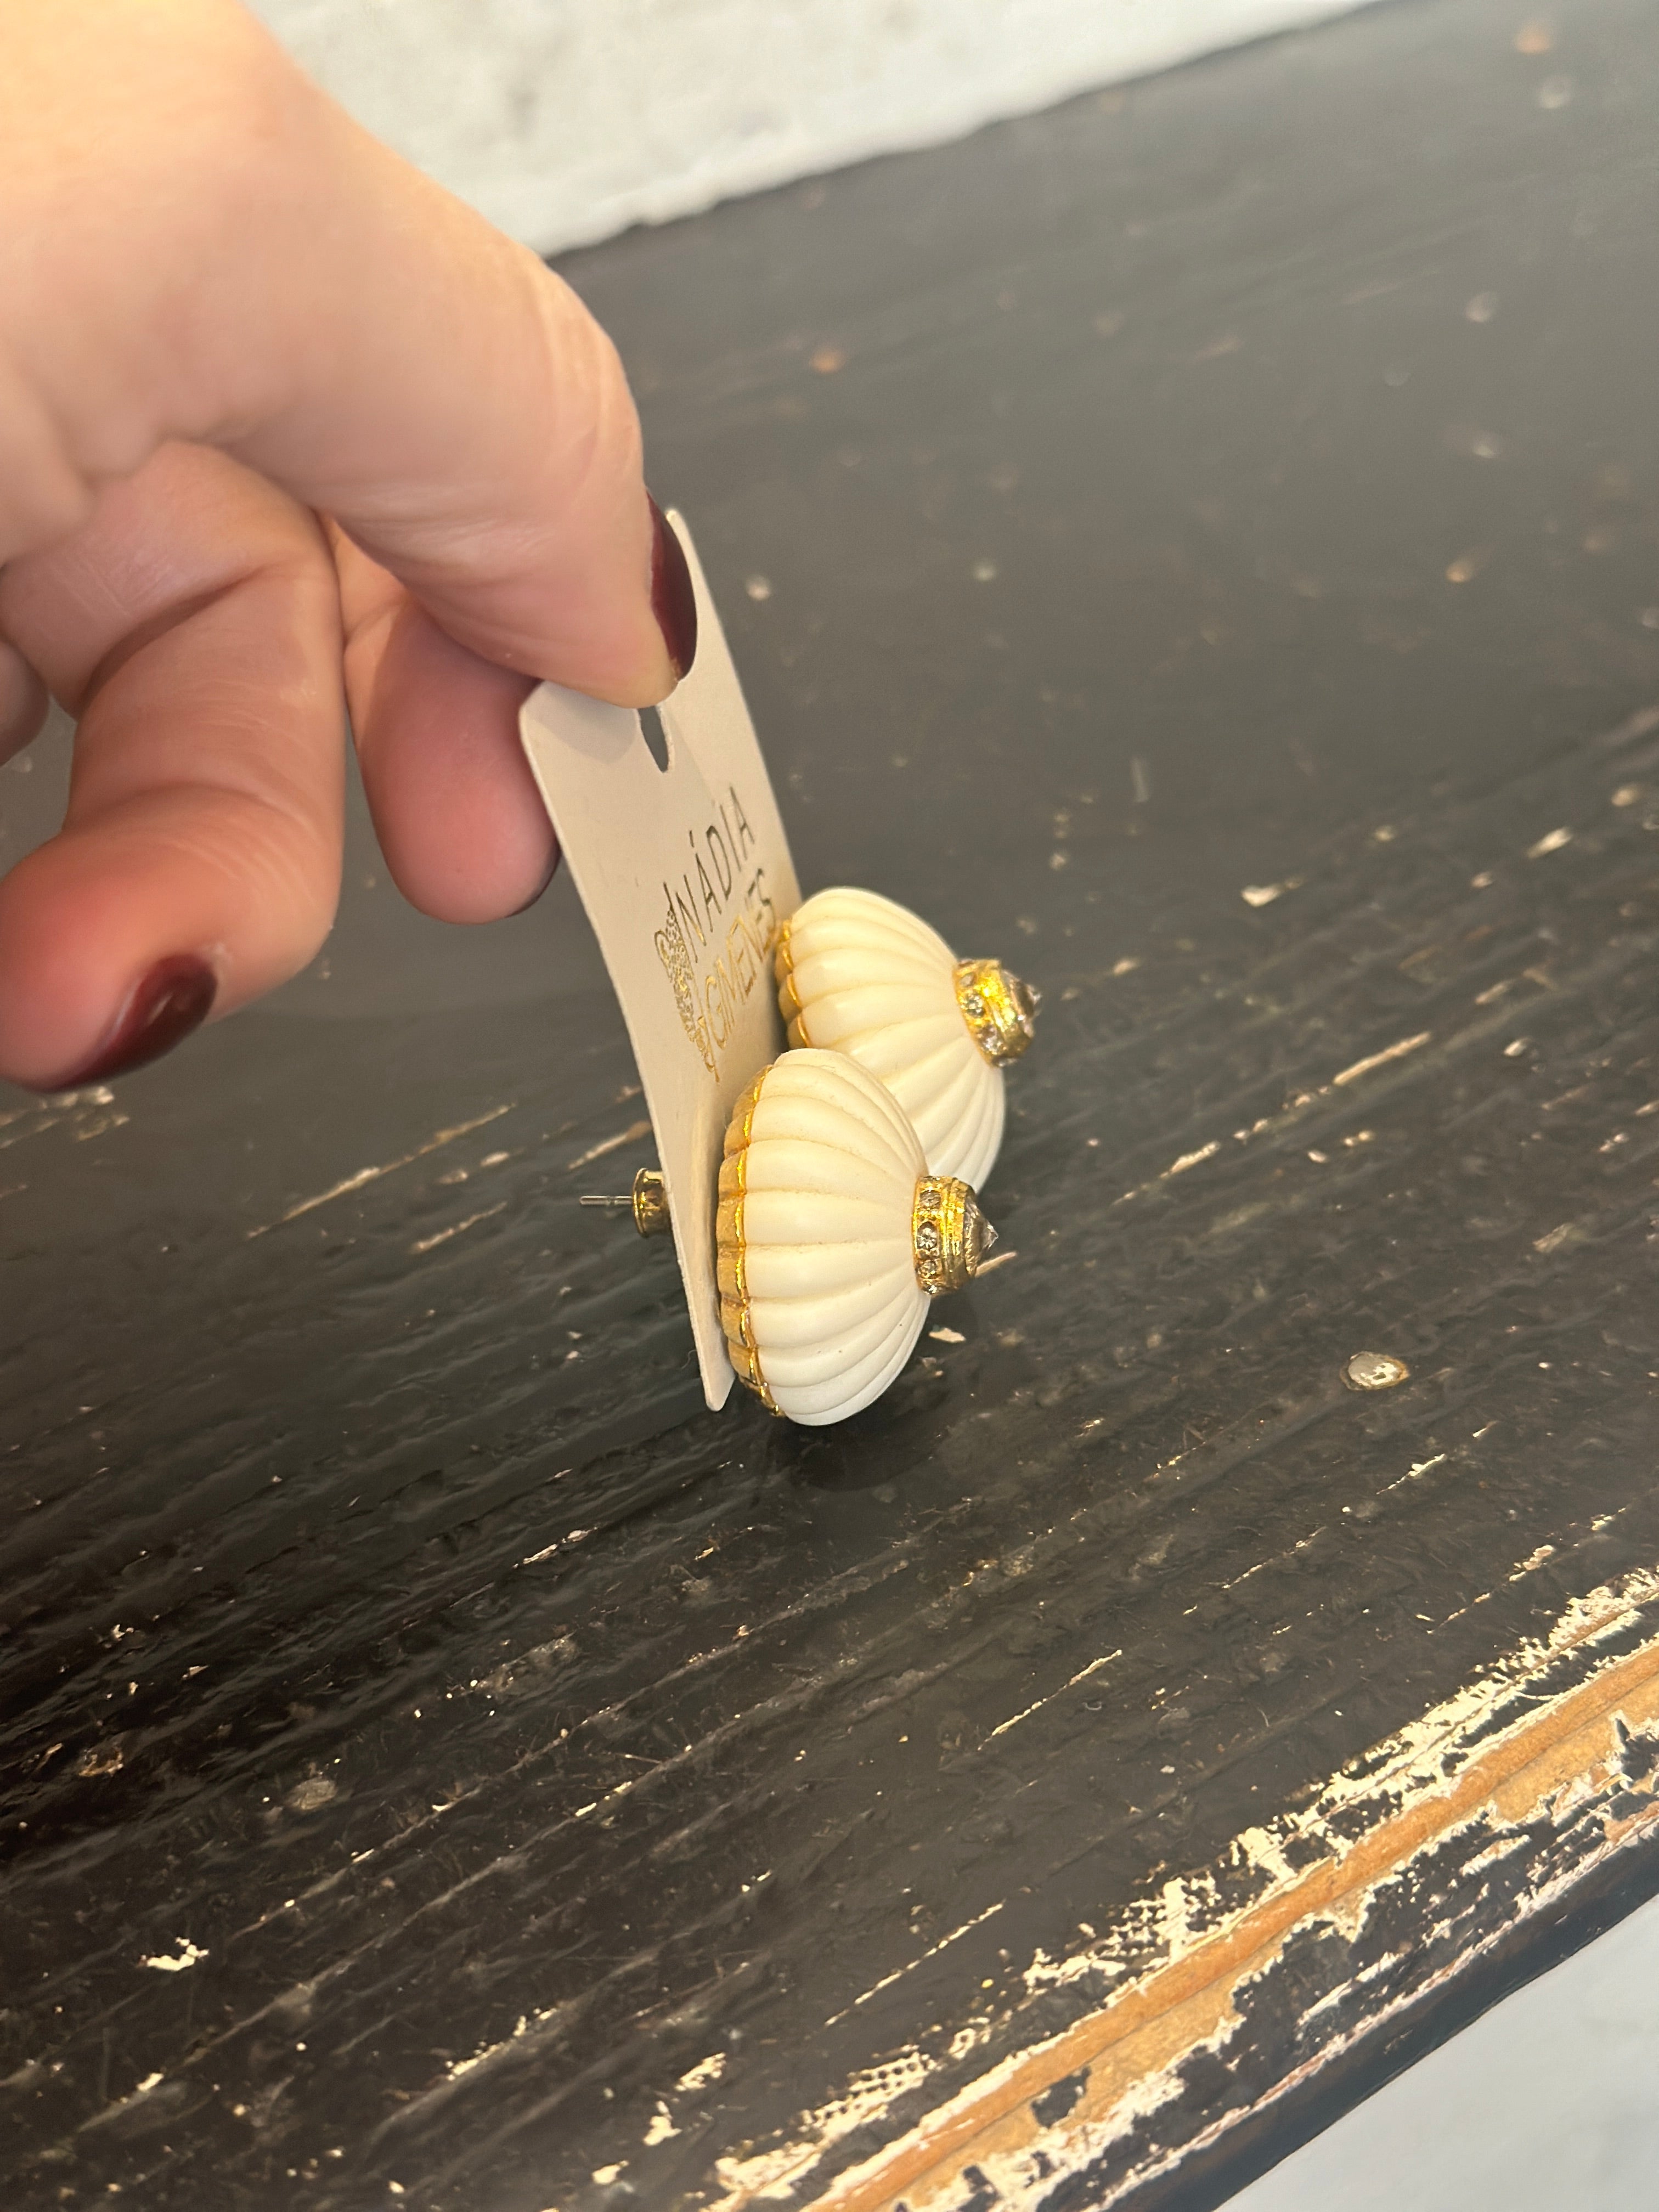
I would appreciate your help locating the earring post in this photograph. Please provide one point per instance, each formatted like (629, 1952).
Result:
(648, 1200)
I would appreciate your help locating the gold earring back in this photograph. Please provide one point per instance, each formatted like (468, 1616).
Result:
(648, 1200)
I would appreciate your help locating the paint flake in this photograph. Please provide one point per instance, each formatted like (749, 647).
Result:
(1381, 1058)
(1192, 1159)
(630, 1135)
(366, 1176)
(1420, 1762)
(178, 1963)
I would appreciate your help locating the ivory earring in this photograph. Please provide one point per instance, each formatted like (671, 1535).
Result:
(832, 1237)
(859, 975)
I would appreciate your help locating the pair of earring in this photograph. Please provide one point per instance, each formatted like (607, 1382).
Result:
(846, 1191)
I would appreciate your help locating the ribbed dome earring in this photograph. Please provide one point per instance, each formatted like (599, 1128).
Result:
(858, 975)
(833, 1237)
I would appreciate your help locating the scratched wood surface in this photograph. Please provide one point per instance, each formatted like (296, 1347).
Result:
(1201, 545)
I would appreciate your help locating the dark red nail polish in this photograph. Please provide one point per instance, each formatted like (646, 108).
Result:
(164, 1006)
(673, 601)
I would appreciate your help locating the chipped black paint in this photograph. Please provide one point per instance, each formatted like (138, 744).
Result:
(1056, 2101)
(514, 1743)
(1332, 1984)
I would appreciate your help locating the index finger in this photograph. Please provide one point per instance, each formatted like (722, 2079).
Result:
(195, 243)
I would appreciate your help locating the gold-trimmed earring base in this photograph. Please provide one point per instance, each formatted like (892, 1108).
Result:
(949, 1234)
(1001, 1011)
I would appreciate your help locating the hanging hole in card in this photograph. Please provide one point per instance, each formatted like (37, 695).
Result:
(656, 738)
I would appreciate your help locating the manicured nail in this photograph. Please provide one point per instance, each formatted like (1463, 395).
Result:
(163, 1008)
(673, 599)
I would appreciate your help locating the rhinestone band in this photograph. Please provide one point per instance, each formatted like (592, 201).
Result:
(1001, 1011)
(949, 1235)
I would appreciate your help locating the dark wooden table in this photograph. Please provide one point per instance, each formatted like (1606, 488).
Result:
(1204, 545)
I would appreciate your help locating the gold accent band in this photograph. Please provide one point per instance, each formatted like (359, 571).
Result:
(789, 1004)
(949, 1235)
(1001, 1011)
(730, 1268)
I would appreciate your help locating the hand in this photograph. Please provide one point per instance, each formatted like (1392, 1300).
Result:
(283, 428)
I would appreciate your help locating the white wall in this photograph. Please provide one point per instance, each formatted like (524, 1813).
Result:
(566, 120)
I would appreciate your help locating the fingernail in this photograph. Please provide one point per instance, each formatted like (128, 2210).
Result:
(162, 1009)
(673, 599)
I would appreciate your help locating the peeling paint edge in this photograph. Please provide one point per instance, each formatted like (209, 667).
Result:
(935, 2145)
(1406, 1775)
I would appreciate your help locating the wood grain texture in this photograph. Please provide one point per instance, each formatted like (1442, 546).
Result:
(437, 1754)
(1312, 1932)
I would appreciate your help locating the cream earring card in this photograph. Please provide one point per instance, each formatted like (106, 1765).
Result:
(686, 877)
